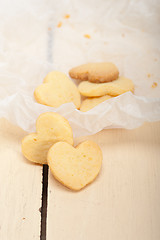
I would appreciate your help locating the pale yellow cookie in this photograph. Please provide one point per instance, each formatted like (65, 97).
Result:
(115, 88)
(90, 103)
(51, 128)
(56, 90)
(95, 72)
(75, 167)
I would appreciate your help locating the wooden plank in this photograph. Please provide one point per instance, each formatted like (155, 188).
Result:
(123, 202)
(20, 188)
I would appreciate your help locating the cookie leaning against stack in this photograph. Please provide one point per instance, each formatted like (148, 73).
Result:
(56, 90)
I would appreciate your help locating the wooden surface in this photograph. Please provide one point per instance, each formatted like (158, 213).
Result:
(122, 204)
(124, 201)
(20, 188)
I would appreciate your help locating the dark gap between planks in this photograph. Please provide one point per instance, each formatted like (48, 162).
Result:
(44, 203)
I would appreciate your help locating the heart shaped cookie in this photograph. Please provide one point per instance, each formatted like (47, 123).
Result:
(95, 72)
(56, 90)
(75, 167)
(51, 128)
(114, 88)
(90, 103)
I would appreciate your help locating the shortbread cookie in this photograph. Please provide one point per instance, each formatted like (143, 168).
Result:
(115, 88)
(56, 90)
(95, 72)
(90, 103)
(51, 128)
(75, 167)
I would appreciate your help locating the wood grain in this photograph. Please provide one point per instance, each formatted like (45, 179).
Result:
(124, 201)
(20, 188)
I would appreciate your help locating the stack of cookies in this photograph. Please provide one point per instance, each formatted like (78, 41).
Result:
(100, 82)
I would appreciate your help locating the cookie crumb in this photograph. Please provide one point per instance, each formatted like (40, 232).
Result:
(148, 75)
(87, 36)
(123, 35)
(59, 24)
(155, 59)
(67, 16)
(154, 85)
(49, 29)
(23, 218)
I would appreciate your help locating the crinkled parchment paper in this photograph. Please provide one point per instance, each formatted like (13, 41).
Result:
(124, 32)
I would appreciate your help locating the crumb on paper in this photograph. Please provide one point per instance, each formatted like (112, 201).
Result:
(105, 43)
(154, 85)
(148, 75)
(59, 24)
(23, 218)
(49, 29)
(123, 35)
(87, 36)
(67, 16)
(155, 59)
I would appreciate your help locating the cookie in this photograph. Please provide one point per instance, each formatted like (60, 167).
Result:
(51, 128)
(115, 88)
(90, 103)
(95, 72)
(75, 167)
(56, 90)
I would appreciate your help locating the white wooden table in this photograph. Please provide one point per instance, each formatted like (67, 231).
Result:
(123, 203)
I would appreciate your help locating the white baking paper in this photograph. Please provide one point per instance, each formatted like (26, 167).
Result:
(124, 32)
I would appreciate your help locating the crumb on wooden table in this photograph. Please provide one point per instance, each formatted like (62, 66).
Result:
(148, 75)
(87, 36)
(59, 24)
(154, 85)
(67, 16)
